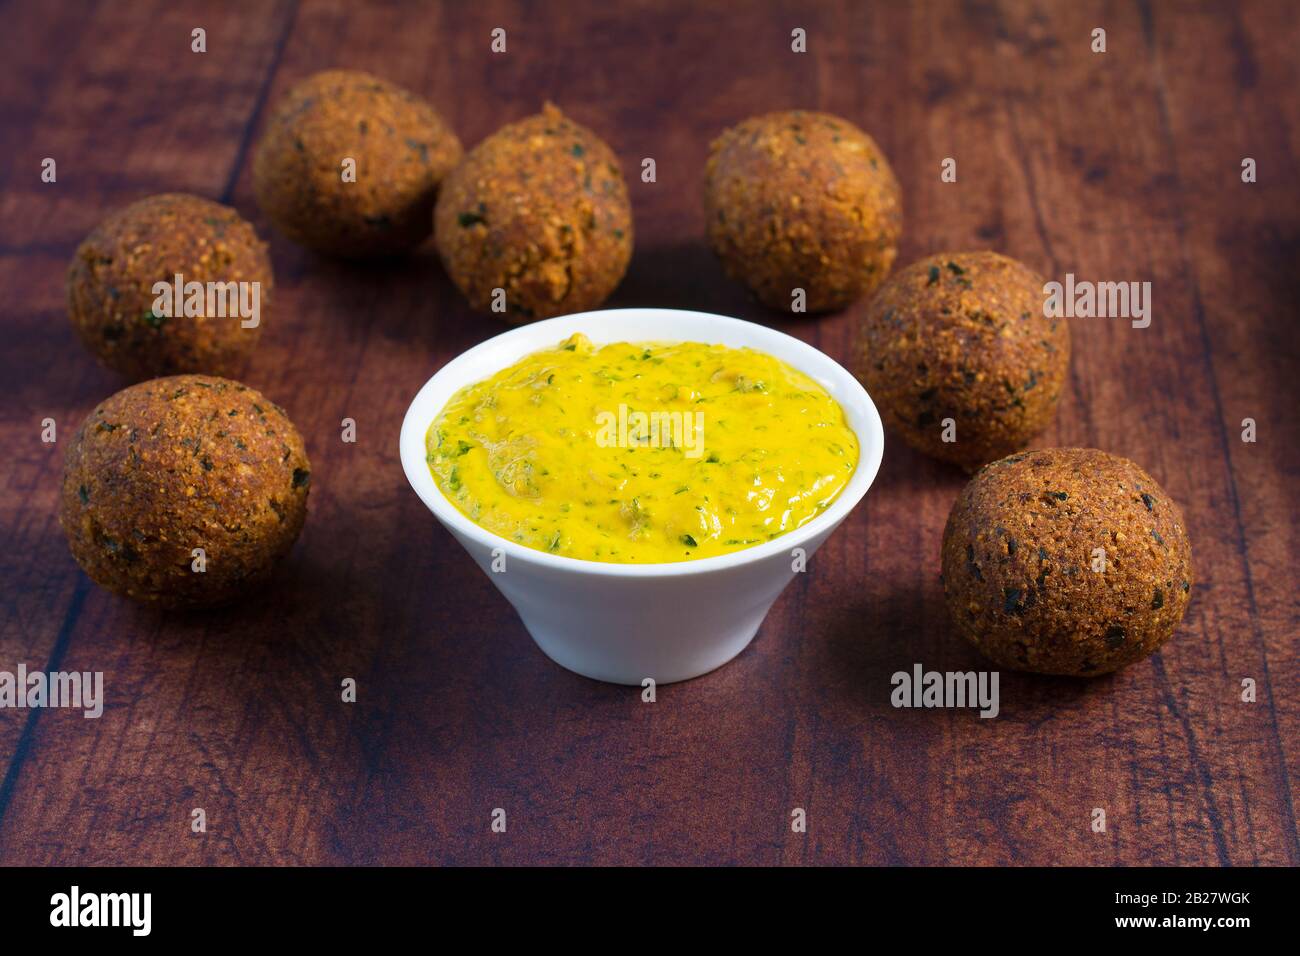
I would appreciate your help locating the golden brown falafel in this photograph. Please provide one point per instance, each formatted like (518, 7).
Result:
(540, 210)
(401, 147)
(802, 200)
(962, 336)
(112, 276)
(182, 463)
(1066, 561)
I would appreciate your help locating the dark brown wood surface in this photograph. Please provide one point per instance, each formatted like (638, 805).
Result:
(1117, 166)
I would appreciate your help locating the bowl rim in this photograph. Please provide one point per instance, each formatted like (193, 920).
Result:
(843, 386)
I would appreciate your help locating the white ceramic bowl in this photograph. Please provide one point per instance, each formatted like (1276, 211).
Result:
(626, 622)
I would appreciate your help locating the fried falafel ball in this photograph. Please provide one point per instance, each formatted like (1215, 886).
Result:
(173, 465)
(540, 211)
(379, 204)
(1066, 561)
(802, 200)
(111, 296)
(958, 355)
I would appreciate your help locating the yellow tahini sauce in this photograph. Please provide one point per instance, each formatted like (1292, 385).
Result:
(642, 453)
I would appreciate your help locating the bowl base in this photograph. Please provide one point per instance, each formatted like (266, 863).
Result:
(571, 657)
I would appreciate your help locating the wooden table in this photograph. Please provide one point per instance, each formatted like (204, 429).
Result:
(1117, 166)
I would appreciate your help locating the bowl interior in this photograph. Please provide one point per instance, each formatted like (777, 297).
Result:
(639, 325)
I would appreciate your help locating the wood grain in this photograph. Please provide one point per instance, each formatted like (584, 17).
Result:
(1121, 166)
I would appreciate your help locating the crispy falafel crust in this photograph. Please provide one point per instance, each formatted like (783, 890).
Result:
(802, 200)
(111, 279)
(402, 148)
(174, 464)
(1018, 559)
(539, 209)
(962, 335)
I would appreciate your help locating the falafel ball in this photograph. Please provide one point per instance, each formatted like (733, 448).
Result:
(175, 464)
(540, 210)
(802, 200)
(401, 148)
(1066, 561)
(111, 279)
(962, 336)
